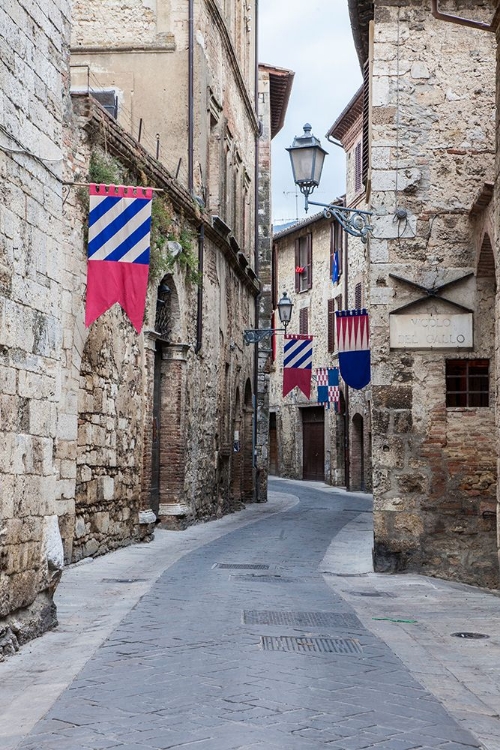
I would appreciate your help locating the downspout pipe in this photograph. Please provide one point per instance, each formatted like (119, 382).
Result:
(459, 21)
(257, 497)
(191, 96)
(347, 446)
(199, 310)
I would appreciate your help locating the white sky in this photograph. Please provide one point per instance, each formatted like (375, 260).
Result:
(314, 40)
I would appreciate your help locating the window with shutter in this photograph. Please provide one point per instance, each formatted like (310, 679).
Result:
(358, 168)
(331, 325)
(304, 320)
(303, 263)
(366, 122)
(358, 296)
(108, 99)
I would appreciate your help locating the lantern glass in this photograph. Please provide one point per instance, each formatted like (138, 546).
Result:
(307, 159)
(285, 306)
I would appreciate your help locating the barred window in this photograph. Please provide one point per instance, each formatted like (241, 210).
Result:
(467, 382)
(331, 325)
(358, 297)
(304, 320)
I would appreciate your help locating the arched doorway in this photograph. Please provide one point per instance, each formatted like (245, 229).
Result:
(237, 460)
(357, 454)
(247, 446)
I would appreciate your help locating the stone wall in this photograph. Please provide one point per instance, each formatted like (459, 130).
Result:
(140, 50)
(199, 377)
(34, 42)
(432, 150)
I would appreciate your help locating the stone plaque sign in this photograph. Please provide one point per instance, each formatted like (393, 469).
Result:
(426, 331)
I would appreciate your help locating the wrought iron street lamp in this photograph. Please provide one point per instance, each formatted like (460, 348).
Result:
(285, 306)
(307, 157)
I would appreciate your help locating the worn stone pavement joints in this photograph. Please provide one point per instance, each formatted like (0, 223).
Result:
(182, 670)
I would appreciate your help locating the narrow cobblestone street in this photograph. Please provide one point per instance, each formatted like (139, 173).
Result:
(242, 643)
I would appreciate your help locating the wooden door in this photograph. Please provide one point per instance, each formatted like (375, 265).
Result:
(273, 445)
(313, 433)
(155, 444)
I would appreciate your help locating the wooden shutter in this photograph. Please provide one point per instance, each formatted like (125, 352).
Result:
(358, 297)
(366, 121)
(297, 263)
(274, 277)
(304, 320)
(358, 168)
(331, 325)
(309, 262)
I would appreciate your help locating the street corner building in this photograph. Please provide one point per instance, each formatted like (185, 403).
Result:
(429, 172)
(110, 429)
(326, 267)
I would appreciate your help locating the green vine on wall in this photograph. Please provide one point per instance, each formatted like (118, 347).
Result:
(165, 227)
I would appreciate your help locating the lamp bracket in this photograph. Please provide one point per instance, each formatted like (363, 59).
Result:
(260, 334)
(354, 221)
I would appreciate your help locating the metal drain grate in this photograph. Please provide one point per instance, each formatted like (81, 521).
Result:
(263, 579)
(235, 566)
(306, 645)
(123, 580)
(301, 619)
(371, 593)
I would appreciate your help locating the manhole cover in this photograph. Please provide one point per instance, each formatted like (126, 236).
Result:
(472, 636)
(301, 619)
(306, 644)
(263, 579)
(370, 593)
(231, 566)
(123, 580)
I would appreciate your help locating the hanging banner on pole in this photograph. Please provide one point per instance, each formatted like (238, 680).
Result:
(297, 365)
(354, 347)
(118, 251)
(327, 380)
(335, 267)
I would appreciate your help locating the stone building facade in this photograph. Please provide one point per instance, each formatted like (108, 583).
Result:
(347, 131)
(275, 85)
(37, 439)
(306, 440)
(105, 431)
(430, 133)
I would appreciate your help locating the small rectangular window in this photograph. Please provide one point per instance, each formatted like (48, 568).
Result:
(467, 382)
(358, 296)
(331, 325)
(107, 99)
(304, 320)
(303, 263)
(358, 168)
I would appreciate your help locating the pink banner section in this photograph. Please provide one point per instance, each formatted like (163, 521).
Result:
(109, 282)
(295, 376)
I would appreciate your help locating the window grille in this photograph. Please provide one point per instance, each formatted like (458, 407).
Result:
(304, 320)
(467, 382)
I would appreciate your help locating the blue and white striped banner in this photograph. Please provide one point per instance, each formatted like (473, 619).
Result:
(119, 224)
(297, 363)
(298, 351)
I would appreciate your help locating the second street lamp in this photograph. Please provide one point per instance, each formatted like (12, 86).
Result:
(285, 306)
(307, 157)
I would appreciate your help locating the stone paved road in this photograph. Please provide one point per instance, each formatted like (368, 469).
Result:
(203, 662)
